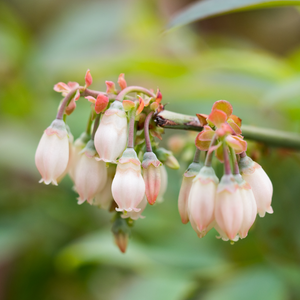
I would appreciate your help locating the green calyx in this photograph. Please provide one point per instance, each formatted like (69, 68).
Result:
(193, 169)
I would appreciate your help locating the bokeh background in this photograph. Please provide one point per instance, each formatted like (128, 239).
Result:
(52, 248)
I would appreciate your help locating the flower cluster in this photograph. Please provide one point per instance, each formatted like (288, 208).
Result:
(117, 164)
(229, 205)
(119, 133)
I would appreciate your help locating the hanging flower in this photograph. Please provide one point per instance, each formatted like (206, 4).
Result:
(104, 198)
(71, 155)
(128, 187)
(52, 154)
(249, 205)
(260, 183)
(229, 207)
(77, 147)
(186, 185)
(152, 176)
(111, 135)
(90, 175)
(201, 202)
(163, 184)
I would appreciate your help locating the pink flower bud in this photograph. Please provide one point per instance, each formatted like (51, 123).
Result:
(186, 185)
(249, 206)
(229, 206)
(201, 202)
(111, 135)
(52, 154)
(90, 175)
(260, 183)
(151, 171)
(128, 187)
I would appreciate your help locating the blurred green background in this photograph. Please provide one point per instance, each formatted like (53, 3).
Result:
(52, 248)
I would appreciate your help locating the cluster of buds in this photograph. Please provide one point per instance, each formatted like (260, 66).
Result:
(116, 163)
(229, 205)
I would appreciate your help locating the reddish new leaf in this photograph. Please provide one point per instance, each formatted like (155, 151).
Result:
(122, 82)
(101, 103)
(128, 105)
(204, 138)
(73, 85)
(91, 99)
(158, 96)
(61, 87)
(110, 87)
(224, 106)
(141, 105)
(237, 130)
(236, 120)
(217, 117)
(237, 143)
(88, 79)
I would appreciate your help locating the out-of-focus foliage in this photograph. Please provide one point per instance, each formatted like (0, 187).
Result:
(51, 248)
(208, 8)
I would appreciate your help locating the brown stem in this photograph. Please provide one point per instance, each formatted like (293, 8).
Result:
(146, 132)
(197, 155)
(66, 100)
(131, 130)
(209, 156)
(131, 89)
(236, 169)
(227, 168)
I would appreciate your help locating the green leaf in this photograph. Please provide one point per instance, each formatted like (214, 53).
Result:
(210, 8)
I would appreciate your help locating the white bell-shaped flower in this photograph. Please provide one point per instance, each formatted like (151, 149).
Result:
(128, 187)
(104, 198)
(249, 206)
(77, 147)
(229, 206)
(90, 174)
(201, 202)
(111, 135)
(163, 184)
(260, 183)
(52, 154)
(185, 188)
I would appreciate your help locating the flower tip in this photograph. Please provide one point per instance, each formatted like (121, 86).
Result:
(80, 200)
(184, 220)
(121, 241)
(270, 210)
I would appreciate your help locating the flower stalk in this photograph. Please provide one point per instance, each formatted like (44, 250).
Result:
(131, 130)
(131, 89)
(65, 102)
(146, 131)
